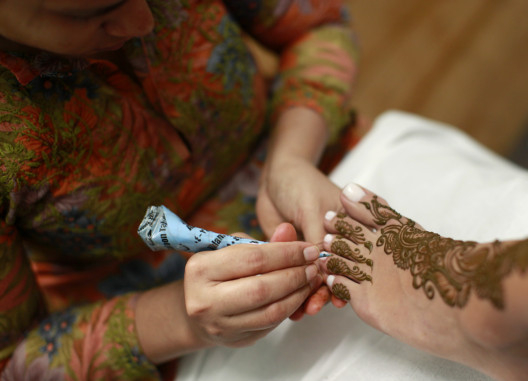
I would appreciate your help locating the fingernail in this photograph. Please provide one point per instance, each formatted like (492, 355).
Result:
(328, 239)
(353, 192)
(330, 281)
(311, 272)
(311, 253)
(329, 216)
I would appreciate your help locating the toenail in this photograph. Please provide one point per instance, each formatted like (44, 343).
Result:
(329, 216)
(353, 192)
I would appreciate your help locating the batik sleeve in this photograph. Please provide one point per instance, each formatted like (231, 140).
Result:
(94, 341)
(317, 53)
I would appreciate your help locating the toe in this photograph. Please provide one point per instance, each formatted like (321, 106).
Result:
(351, 270)
(366, 207)
(343, 247)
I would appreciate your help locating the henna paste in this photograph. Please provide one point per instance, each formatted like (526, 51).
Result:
(341, 248)
(341, 291)
(446, 266)
(381, 212)
(339, 267)
(353, 233)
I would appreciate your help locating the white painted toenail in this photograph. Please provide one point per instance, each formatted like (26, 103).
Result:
(353, 192)
(329, 216)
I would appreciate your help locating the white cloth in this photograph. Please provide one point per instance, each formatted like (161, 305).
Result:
(427, 171)
(440, 177)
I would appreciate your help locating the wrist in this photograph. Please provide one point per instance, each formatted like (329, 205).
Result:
(163, 326)
(299, 132)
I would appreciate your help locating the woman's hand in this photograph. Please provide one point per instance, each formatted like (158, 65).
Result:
(305, 206)
(294, 190)
(237, 295)
(460, 300)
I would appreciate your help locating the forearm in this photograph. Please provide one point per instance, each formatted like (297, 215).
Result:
(317, 56)
(318, 72)
(166, 333)
(300, 133)
(93, 341)
(292, 187)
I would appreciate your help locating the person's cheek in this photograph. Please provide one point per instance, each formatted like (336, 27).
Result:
(73, 37)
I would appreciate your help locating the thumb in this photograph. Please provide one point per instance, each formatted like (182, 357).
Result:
(285, 232)
(313, 230)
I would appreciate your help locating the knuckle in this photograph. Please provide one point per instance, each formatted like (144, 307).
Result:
(298, 277)
(275, 313)
(195, 266)
(294, 278)
(214, 331)
(293, 256)
(256, 260)
(196, 309)
(260, 292)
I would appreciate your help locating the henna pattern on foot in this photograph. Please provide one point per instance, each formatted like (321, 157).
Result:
(338, 267)
(382, 213)
(341, 291)
(450, 267)
(353, 233)
(343, 250)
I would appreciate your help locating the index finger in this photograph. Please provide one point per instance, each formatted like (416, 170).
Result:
(239, 261)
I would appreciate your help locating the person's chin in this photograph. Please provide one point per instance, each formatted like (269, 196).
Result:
(95, 52)
(113, 47)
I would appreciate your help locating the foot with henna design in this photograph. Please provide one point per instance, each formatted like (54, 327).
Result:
(461, 300)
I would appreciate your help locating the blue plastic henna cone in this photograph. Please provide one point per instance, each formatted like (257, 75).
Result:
(161, 229)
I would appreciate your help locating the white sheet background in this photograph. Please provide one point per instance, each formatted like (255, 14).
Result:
(427, 171)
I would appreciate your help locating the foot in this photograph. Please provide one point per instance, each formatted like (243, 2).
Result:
(415, 285)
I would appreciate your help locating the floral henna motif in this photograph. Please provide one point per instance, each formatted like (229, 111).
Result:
(353, 233)
(341, 248)
(341, 291)
(450, 267)
(339, 267)
(382, 213)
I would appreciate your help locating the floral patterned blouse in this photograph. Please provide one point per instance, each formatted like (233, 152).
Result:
(86, 147)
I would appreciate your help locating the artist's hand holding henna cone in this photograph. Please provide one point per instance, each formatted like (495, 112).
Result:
(230, 296)
(462, 300)
(238, 294)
